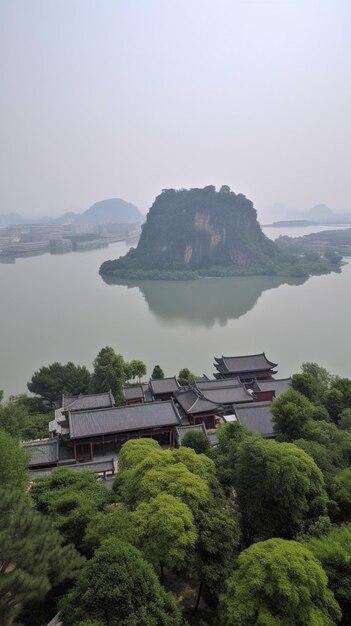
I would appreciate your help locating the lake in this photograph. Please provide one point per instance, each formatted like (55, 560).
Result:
(58, 308)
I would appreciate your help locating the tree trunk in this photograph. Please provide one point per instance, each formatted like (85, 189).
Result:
(198, 596)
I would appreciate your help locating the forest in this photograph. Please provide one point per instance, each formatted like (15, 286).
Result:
(253, 531)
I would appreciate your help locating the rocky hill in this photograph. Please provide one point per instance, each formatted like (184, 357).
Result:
(200, 231)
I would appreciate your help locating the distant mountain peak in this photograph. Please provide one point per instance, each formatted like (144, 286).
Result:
(111, 211)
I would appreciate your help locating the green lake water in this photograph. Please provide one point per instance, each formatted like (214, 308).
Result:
(58, 308)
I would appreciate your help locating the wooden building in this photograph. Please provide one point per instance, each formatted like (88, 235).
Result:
(103, 431)
(267, 390)
(247, 368)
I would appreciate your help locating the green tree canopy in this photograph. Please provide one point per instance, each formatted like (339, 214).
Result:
(185, 377)
(32, 555)
(279, 489)
(278, 582)
(166, 531)
(157, 373)
(321, 377)
(51, 381)
(117, 587)
(114, 521)
(216, 549)
(340, 492)
(70, 499)
(291, 412)
(334, 403)
(138, 369)
(178, 481)
(135, 450)
(109, 374)
(333, 550)
(142, 462)
(13, 463)
(12, 418)
(197, 441)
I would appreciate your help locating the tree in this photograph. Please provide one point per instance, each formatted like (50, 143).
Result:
(109, 374)
(12, 418)
(280, 489)
(345, 419)
(344, 386)
(166, 531)
(291, 412)
(138, 369)
(177, 481)
(135, 450)
(13, 463)
(306, 384)
(114, 521)
(322, 378)
(56, 379)
(340, 492)
(70, 499)
(334, 402)
(230, 436)
(32, 555)
(278, 582)
(117, 587)
(216, 548)
(197, 441)
(333, 550)
(185, 377)
(141, 463)
(157, 373)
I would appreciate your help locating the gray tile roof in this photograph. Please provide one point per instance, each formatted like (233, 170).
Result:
(163, 385)
(224, 391)
(256, 416)
(181, 431)
(191, 402)
(122, 419)
(42, 452)
(134, 392)
(243, 364)
(88, 401)
(279, 386)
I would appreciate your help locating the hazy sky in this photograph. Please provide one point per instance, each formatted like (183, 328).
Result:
(121, 98)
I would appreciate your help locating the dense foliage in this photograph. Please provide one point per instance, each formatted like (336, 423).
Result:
(278, 582)
(254, 531)
(189, 233)
(117, 587)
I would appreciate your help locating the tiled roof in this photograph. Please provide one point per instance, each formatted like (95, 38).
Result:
(134, 392)
(122, 419)
(42, 452)
(256, 416)
(192, 402)
(181, 431)
(224, 391)
(279, 386)
(243, 364)
(163, 385)
(89, 401)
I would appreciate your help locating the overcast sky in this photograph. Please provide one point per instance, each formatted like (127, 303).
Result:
(121, 98)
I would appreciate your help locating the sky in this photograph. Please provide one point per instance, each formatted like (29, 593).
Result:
(122, 98)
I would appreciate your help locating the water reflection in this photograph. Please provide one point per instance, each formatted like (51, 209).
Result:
(205, 301)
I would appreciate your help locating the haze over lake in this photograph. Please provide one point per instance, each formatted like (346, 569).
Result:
(58, 308)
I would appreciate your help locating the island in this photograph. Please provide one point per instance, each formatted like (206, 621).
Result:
(191, 233)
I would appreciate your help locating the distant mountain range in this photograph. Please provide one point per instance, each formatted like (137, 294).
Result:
(111, 211)
(318, 214)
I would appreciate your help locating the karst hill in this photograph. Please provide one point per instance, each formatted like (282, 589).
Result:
(189, 233)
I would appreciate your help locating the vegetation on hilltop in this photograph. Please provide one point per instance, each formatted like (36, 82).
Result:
(204, 232)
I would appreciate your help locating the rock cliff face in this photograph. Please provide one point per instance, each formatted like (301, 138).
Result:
(198, 229)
